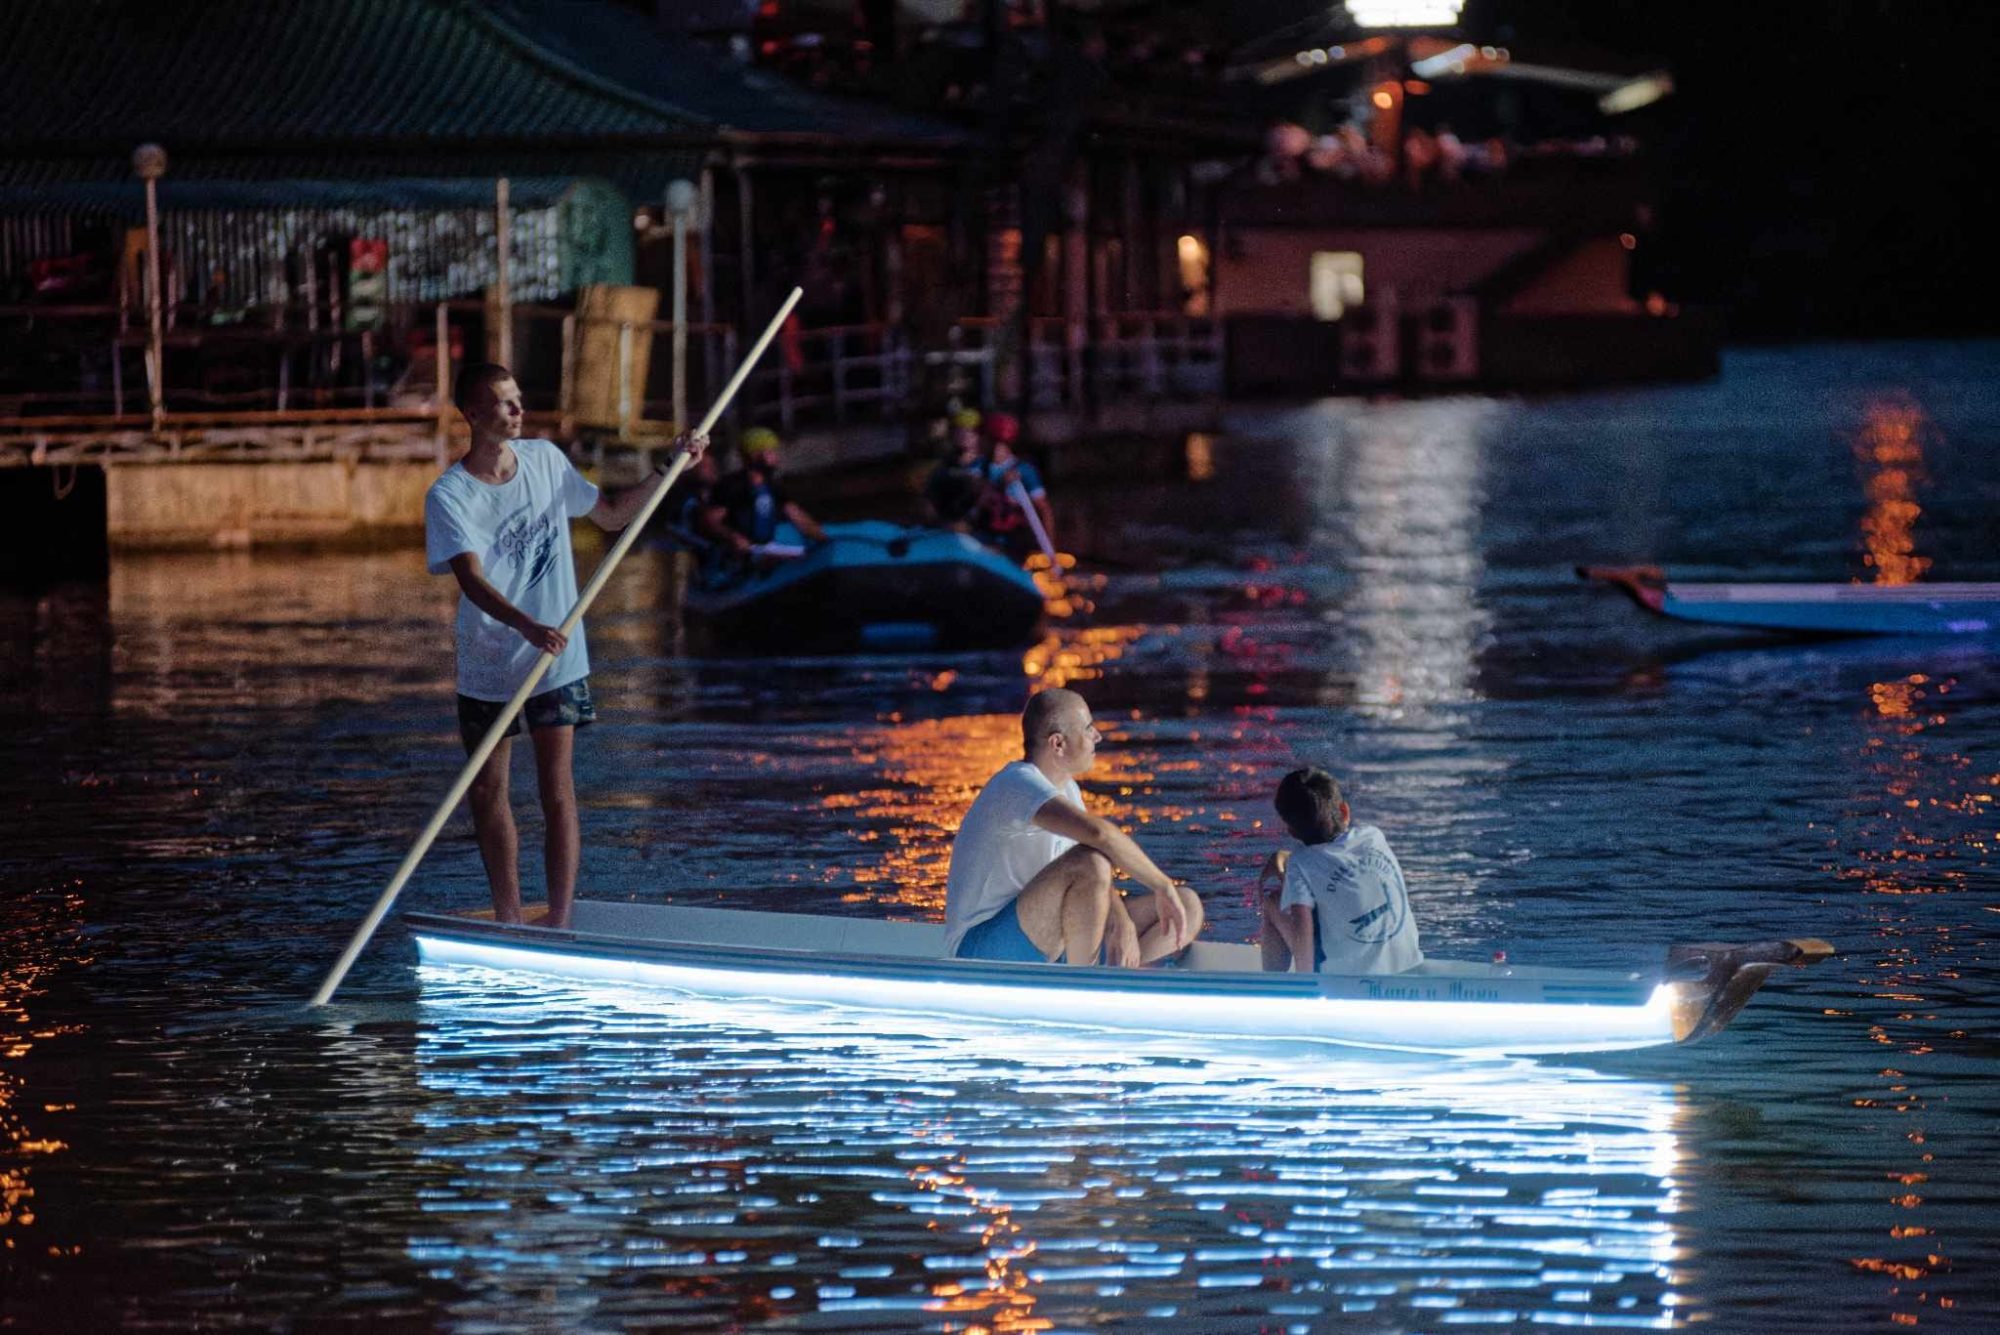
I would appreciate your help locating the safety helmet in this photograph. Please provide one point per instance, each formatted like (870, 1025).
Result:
(966, 419)
(1004, 427)
(759, 440)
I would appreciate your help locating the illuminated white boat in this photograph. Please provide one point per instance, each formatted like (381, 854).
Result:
(1827, 609)
(1217, 989)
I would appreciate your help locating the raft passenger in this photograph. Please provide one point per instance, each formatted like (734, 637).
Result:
(956, 486)
(1008, 479)
(747, 505)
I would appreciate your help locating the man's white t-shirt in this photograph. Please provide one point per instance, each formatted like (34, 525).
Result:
(1361, 908)
(519, 530)
(999, 848)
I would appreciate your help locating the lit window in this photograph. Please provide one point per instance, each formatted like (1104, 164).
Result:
(1193, 253)
(1336, 282)
(1405, 13)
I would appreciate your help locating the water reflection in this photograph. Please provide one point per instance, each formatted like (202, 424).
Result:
(222, 632)
(1889, 450)
(765, 1162)
(1398, 499)
(42, 940)
(909, 782)
(1923, 827)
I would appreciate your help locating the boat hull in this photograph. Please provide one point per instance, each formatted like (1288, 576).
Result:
(1814, 609)
(1443, 1007)
(878, 586)
(1841, 609)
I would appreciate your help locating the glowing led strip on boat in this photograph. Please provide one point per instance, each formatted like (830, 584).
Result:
(1470, 1027)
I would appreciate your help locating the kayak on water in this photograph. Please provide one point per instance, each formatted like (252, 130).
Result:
(1831, 609)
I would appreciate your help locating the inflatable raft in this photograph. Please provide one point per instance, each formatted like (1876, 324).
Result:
(874, 585)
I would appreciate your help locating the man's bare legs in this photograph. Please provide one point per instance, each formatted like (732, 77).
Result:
(1063, 909)
(493, 824)
(1154, 941)
(563, 838)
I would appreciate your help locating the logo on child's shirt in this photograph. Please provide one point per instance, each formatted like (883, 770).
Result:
(1372, 868)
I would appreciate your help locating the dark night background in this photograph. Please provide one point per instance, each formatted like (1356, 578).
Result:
(1830, 164)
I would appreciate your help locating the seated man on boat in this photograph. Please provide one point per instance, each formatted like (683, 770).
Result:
(1341, 905)
(955, 486)
(1030, 877)
(746, 507)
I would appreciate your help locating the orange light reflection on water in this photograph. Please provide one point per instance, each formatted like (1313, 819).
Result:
(1890, 452)
(1063, 659)
(927, 772)
(1006, 1302)
(33, 952)
(1912, 840)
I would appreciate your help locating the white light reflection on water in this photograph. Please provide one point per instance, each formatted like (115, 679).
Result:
(610, 1154)
(1398, 498)
(1398, 493)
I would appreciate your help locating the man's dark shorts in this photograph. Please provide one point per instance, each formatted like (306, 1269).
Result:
(565, 707)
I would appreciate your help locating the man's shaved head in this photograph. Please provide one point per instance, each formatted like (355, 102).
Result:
(1053, 710)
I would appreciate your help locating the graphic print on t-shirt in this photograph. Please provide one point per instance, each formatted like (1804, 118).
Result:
(1372, 866)
(528, 539)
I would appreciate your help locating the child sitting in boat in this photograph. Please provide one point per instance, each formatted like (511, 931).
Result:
(1340, 905)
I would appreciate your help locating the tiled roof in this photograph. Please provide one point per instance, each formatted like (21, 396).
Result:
(321, 88)
(622, 44)
(84, 81)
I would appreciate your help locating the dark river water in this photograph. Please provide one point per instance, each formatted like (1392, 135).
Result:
(213, 764)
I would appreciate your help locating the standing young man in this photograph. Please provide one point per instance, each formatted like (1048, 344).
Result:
(498, 520)
(1030, 876)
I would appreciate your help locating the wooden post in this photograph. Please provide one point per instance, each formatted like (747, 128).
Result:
(710, 357)
(150, 161)
(624, 379)
(680, 199)
(746, 247)
(838, 361)
(443, 440)
(503, 280)
(566, 391)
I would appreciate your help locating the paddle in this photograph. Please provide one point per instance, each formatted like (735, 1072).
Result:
(489, 742)
(1019, 495)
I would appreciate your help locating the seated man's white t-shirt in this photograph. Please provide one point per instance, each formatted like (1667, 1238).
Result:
(1361, 908)
(519, 530)
(999, 848)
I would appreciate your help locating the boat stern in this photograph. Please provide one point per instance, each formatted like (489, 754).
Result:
(1645, 585)
(1712, 980)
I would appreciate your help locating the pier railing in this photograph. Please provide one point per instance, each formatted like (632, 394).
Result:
(833, 376)
(1149, 354)
(259, 387)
